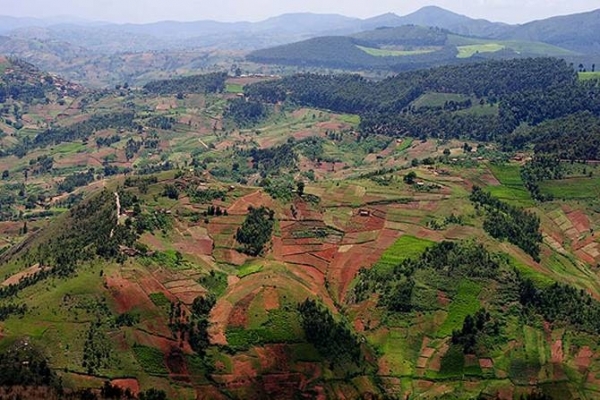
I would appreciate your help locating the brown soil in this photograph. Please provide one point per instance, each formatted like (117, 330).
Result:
(132, 384)
(486, 363)
(127, 295)
(239, 315)
(271, 299)
(256, 199)
(219, 317)
(584, 358)
(23, 274)
(443, 299)
(580, 221)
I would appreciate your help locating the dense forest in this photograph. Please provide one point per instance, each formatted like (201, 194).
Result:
(385, 106)
(507, 222)
(256, 230)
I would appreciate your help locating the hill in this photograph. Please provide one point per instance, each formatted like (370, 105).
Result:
(429, 234)
(576, 32)
(401, 48)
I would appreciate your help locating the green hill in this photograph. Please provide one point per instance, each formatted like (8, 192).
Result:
(401, 48)
(320, 236)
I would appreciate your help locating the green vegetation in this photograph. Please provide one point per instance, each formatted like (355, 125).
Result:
(393, 53)
(150, 359)
(471, 50)
(405, 247)
(334, 340)
(256, 230)
(506, 222)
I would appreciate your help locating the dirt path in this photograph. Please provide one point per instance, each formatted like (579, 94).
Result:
(203, 144)
(118, 201)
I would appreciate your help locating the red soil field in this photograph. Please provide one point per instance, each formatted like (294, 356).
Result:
(580, 221)
(219, 317)
(127, 295)
(132, 384)
(239, 315)
(256, 199)
(271, 299)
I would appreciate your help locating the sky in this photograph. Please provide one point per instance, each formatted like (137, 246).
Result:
(143, 11)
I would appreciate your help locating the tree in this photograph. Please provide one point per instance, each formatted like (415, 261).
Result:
(410, 177)
(300, 188)
(153, 394)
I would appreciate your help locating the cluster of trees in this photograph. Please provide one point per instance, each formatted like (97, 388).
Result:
(41, 165)
(199, 339)
(207, 83)
(161, 122)
(451, 259)
(107, 141)
(542, 167)
(562, 304)
(96, 349)
(527, 91)
(205, 195)
(73, 181)
(22, 365)
(256, 231)
(215, 210)
(83, 130)
(272, 160)
(575, 137)
(506, 222)
(474, 329)
(245, 113)
(10, 310)
(332, 338)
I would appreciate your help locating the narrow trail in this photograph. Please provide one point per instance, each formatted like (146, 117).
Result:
(118, 201)
(203, 144)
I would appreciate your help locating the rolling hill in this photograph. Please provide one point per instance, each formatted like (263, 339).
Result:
(401, 48)
(322, 236)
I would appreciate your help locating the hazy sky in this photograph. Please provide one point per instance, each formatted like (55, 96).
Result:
(513, 11)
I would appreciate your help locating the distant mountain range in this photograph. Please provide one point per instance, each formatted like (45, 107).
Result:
(100, 53)
(578, 32)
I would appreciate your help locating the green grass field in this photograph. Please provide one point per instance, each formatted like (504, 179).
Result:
(248, 270)
(470, 50)
(234, 88)
(151, 360)
(511, 189)
(464, 303)
(435, 99)
(588, 76)
(405, 247)
(573, 188)
(393, 53)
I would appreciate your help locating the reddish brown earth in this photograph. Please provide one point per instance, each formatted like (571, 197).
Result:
(219, 316)
(132, 384)
(584, 358)
(580, 221)
(239, 315)
(271, 299)
(127, 294)
(256, 199)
